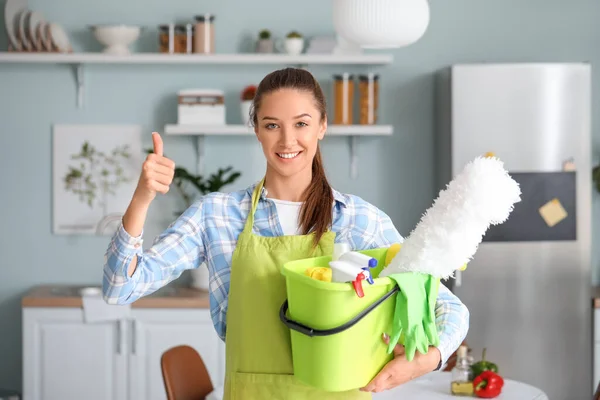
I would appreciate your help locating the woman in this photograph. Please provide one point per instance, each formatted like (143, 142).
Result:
(246, 236)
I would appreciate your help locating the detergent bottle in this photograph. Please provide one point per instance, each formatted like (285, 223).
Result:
(359, 258)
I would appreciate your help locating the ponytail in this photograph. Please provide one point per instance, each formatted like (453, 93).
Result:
(316, 213)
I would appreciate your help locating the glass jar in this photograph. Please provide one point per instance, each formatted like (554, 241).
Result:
(166, 38)
(204, 35)
(343, 93)
(176, 38)
(368, 88)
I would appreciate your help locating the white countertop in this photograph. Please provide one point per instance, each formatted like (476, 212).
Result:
(436, 386)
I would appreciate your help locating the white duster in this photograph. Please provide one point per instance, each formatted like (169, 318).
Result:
(451, 230)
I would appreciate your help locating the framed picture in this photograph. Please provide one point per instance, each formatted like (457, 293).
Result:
(95, 171)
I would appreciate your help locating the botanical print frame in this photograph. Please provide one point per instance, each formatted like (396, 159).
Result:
(95, 172)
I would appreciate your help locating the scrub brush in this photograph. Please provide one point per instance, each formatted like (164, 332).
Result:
(451, 230)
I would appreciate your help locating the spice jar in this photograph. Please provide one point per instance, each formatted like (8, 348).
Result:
(166, 38)
(176, 38)
(368, 88)
(204, 35)
(343, 93)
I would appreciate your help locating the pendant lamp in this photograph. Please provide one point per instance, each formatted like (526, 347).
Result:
(381, 24)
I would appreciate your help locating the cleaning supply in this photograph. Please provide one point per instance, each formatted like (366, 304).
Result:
(391, 253)
(335, 335)
(339, 249)
(319, 273)
(360, 259)
(449, 233)
(414, 314)
(344, 271)
(444, 240)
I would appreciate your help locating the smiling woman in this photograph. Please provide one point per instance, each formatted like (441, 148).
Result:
(289, 117)
(245, 237)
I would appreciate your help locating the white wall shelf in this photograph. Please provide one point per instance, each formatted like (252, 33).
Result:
(351, 131)
(78, 60)
(333, 130)
(162, 58)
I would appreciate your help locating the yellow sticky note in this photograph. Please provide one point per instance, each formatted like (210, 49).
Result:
(553, 212)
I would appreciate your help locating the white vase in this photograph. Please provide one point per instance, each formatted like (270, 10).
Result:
(381, 23)
(294, 46)
(245, 110)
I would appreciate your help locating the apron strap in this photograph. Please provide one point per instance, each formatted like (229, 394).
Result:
(255, 199)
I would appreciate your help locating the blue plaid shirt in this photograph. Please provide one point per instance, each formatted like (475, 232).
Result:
(207, 233)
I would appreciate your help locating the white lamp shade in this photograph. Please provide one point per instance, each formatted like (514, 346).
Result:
(379, 24)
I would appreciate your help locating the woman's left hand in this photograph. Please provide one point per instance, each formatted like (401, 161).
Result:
(400, 370)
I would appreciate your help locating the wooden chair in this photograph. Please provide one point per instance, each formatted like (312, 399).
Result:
(184, 374)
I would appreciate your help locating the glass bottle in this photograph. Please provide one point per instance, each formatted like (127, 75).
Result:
(343, 86)
(462, 384)
(369, 98)
(204, 34)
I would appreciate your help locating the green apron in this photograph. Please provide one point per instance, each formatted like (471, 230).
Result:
(258, 350)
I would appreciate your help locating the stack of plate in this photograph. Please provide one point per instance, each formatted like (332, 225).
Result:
(28, 31)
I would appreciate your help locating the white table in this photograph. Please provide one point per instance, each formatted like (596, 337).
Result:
(436, 386)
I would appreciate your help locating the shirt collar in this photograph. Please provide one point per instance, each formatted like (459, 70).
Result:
(337, 196)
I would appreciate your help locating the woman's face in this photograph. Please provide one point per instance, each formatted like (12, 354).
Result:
(289, 128)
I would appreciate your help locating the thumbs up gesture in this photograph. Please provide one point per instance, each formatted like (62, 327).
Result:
(157, 173)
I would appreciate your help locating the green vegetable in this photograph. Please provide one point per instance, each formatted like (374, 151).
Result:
(483, 365)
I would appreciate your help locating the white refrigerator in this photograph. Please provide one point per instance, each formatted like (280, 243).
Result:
(528, 286)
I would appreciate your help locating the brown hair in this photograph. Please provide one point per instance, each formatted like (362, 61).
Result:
(315, 213)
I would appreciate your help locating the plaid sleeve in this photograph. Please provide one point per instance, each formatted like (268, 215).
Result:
(452, 322)
(386, 233)
(178, 248)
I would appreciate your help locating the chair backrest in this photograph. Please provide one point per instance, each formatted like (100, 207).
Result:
(184, 374)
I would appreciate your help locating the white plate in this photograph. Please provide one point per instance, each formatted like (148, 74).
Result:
(21, 30)
(35, 19)
(11, 11)
(59, 38)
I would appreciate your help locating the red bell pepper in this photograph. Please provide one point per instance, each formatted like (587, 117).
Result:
(488, 385)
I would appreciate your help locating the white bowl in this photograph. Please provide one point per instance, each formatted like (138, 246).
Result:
(116, 38)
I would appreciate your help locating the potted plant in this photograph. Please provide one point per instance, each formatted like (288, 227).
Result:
(265, 43)
(246, 97)
(294, 43)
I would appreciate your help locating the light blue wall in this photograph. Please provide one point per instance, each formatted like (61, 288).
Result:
(396, 173)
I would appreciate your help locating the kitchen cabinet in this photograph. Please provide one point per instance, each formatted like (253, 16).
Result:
(65, 357)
